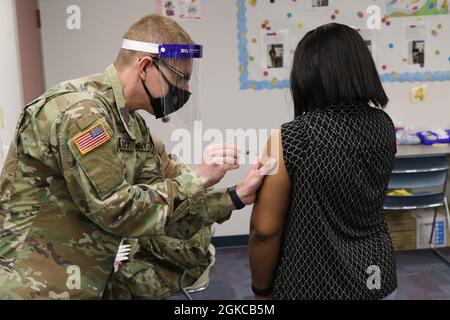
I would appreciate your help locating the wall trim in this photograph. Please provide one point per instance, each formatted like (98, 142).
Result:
(230, 241)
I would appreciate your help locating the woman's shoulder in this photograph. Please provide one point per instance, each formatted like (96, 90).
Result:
(299, 125)
(295, 132)
(382, 114)
(299, 121)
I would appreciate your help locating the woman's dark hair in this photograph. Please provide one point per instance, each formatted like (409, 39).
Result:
(332, 65)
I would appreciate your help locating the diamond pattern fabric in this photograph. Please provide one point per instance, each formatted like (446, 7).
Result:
(339, 160)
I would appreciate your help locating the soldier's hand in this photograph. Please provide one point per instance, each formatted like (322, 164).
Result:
(217, 160)
(247, 189)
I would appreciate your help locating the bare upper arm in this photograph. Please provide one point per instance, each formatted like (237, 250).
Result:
(272, 203)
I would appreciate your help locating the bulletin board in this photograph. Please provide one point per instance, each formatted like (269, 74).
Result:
(411, 45)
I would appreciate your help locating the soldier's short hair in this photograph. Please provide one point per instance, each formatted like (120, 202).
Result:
(155, 29)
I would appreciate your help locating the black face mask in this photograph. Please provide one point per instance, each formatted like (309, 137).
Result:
(173, 101)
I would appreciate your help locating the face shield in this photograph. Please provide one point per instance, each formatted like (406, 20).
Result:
(177, 100)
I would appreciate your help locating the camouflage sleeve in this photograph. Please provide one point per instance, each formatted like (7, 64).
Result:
(94, 171)
(216, 204)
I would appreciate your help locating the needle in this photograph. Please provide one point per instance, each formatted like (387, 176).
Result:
(247, 153)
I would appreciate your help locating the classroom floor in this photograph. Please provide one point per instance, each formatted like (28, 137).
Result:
(422, 275)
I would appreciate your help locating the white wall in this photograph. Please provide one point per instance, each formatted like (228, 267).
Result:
(70, 54)
(10, 82)
(435, 113)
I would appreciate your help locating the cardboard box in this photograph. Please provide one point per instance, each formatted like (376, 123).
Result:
(410, 230)
(402, 227)
(424, 221)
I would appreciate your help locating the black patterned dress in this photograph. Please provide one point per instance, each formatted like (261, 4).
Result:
(336, 243)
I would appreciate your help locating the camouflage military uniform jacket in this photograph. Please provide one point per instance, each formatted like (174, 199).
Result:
(81, 173)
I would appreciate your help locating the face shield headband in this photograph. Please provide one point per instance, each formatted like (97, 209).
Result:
(166, 51)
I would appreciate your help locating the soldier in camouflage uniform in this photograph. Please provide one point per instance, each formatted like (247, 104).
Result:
(65, 204)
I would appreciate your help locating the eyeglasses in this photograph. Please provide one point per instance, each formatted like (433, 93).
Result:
(185, 78)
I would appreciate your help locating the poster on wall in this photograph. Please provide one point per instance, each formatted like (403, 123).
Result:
(275, 45)
(411, 8)
(369, 39)
(180, 9)
(416, 40)
(404, 50)
(320, 4)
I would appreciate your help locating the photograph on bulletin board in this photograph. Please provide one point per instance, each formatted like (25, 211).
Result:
(407, 47)
(416, 38)
(320, 4)
(274, 45)
(369, 38)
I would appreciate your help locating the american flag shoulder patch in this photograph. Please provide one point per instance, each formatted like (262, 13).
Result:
(91, 139)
